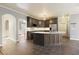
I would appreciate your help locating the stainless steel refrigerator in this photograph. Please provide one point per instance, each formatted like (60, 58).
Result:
(53, 27)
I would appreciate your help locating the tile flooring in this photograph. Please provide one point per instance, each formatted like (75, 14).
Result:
(28, 48)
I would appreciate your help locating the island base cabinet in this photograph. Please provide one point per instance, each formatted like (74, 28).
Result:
(47, 39)
(38, 39)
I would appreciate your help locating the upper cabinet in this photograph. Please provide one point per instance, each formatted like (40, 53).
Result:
(32, 22)
(40, 23)
(28, 21)
(51, 21)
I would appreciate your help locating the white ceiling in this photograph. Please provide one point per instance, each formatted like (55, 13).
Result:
(39, 10)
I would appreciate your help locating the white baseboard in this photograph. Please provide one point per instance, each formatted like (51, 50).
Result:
(74, 39)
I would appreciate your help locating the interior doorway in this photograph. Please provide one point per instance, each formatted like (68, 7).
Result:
(22, 33)
(8, 27)
(8, 33)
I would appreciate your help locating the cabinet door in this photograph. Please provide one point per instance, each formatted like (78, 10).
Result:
(38, 39)
(34, 22)
(40, 23)
(46, 23)
(29, 22)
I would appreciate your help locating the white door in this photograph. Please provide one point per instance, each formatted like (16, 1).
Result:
(22, 33)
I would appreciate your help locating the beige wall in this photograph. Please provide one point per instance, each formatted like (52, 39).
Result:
(63, 25)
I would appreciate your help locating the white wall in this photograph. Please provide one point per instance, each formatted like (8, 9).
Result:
(10, 32)
(22, 29)
(74, 27)
(4, 11)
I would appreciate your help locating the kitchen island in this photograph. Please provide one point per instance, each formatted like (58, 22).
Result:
(47, 38)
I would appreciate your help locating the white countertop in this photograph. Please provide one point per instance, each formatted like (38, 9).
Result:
(50, 32)
(37, 28)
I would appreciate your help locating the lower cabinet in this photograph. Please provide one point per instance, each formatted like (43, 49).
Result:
(47, 39)
(29, 35)
(38, 39)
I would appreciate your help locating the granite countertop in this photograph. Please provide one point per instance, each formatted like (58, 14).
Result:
(50, 32)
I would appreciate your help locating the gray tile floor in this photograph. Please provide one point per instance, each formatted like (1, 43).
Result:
(68, 48)
(28, 48)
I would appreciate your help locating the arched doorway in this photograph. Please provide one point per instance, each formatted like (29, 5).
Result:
(8, 33)
(8, 27)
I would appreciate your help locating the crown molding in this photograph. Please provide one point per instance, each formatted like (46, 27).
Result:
(27, 14)
(13, 10)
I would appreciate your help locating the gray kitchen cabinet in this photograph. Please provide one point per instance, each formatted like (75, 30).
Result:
(32, 22)
(47, 40)
(46, 23)
(40, 23)
(28, 21)
(51, 21)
